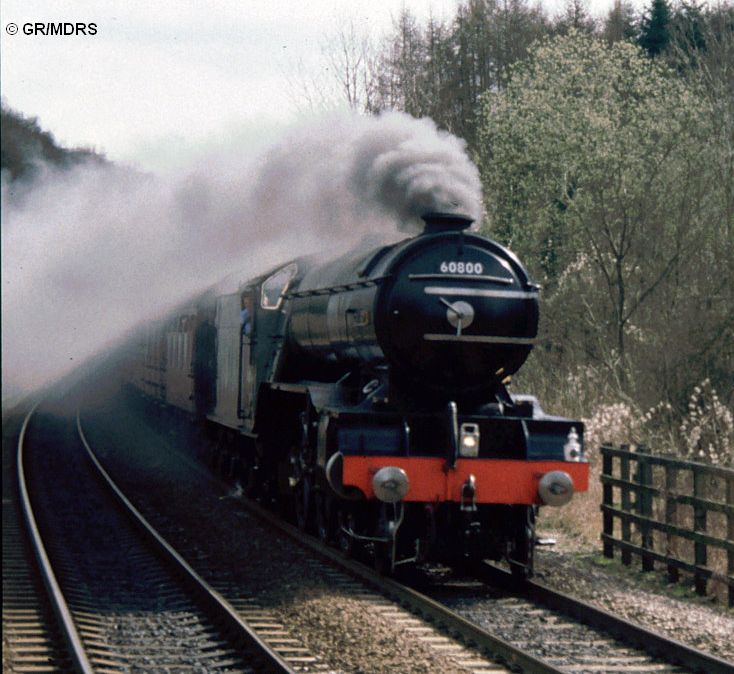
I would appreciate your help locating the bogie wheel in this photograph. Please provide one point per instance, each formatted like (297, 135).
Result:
(324, 515)
(346, 520)
(220, 460)
(383, 557)
(522, 551)
(302, 501)
(252, 483)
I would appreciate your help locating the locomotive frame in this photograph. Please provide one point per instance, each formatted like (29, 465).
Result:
(367, 396)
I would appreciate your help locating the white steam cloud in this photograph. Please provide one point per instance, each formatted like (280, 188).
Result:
(89, 253)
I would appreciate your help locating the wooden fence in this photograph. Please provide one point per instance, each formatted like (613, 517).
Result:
(678, 513)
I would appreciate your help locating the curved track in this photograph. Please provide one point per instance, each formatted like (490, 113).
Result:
(119, 605)
(215, 559)
(561, 640)
(32, 637)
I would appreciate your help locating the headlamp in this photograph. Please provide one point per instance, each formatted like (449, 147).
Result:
(469, 440)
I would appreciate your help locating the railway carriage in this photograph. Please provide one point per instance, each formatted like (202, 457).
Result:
(368, 395)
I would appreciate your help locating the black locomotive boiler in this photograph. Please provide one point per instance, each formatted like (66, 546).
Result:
(369, 395)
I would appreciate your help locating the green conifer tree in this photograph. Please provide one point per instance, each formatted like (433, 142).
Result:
(655, 28)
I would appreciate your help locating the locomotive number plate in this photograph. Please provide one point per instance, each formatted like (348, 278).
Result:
(453, 267)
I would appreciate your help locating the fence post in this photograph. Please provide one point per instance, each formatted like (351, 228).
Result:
(730, 536)
(671, 517)
(699, 525)
(608, 500)
(624, 474)
(644, 508)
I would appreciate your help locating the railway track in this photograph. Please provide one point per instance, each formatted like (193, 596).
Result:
(558, 645)
(535, 596)
(214, 566)
(32, 638)
(529, 626)
(121, 604)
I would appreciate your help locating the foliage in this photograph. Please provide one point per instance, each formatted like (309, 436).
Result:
(621, 23)
(707, 430)
(575, 17)
(603, 170)
(655, 28)
(25, 147)
(441, 70)
(688, 28)
(615, 423)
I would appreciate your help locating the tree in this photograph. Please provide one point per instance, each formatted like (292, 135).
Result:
(352, 63)
(441, 70)
(655, 28)
(688, 27)
(621, 23)
(576, 17)
(25, 148)
(597, 169)
(347, 74)
(400, 69)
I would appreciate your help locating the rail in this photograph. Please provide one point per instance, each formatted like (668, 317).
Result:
(220, 610)
(80, 661)
(655, 644)
(660, 510)
(430, 610)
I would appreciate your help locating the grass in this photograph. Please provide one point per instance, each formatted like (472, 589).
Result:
(578, 526)
(580, 521)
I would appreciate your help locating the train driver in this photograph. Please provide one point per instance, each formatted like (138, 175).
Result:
(246, 315)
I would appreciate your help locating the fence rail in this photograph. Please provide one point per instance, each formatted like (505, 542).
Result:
(678, 513)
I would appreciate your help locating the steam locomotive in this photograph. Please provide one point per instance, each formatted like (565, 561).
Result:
(368, 395)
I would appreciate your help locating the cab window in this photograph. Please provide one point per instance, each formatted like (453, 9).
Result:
(275, 286)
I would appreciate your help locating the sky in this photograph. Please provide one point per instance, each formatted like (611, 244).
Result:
(162, 83)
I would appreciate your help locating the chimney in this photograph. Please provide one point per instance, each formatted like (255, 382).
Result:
(445, 222)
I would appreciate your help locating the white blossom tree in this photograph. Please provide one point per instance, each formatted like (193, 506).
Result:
(597, 169)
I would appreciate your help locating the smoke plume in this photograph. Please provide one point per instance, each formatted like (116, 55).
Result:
(384, 171)
(90, 252)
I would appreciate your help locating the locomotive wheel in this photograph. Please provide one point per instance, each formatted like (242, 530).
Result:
(523, 544)
(303, 502)
(220, 459)
(229, 471)
(250, 479)
(346, 520)
(383, 557)
(324, 514)
(236, 470)
(257, 482)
